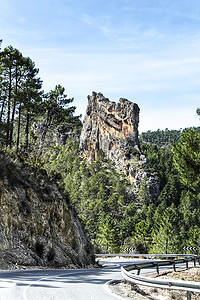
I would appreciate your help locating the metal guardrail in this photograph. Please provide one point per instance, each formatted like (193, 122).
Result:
(145, 255)
(157, 264)
(189, 286)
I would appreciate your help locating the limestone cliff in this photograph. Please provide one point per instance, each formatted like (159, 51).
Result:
(37, 225)
(112, 128)
(109, 126)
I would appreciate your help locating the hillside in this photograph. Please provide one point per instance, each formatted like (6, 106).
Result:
(162, 137)
(37, 225)
(127, 191)
(118, 210)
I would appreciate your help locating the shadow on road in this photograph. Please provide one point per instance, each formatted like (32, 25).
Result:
(58, 278)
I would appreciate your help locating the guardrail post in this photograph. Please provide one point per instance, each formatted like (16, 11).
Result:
(138, 272)
(157, 269)
(186, 264)
(188, 295)
(174, 266)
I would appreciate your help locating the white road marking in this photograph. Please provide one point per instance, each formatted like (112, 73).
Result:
(36, 282)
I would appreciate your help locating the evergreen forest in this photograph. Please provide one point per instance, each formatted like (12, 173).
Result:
(42, 130)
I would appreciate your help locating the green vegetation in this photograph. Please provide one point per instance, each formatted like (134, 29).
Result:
(109, 210)
(115, 216)
(163, 137)
(102, 197)
(27, 114)
(160, 137)
(187, 158)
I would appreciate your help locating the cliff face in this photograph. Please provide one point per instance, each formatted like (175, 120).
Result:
(37, 226)
(113, 128)
(110, 127)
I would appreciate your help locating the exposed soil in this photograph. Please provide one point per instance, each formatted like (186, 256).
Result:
(139, 292)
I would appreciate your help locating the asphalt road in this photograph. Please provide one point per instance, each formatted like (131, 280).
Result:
(82, 284)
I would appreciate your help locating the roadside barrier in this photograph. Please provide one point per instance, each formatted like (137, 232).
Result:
(189, 286)
(146, 255)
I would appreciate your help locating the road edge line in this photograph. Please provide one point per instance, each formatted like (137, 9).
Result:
(108, 289)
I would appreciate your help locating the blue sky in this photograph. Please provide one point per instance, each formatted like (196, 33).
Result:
(147, 51)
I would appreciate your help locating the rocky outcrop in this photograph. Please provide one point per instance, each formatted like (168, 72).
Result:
(37, 225)
(109, 126)
(111, 129)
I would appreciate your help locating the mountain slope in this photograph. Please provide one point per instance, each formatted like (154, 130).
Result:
(37, 225)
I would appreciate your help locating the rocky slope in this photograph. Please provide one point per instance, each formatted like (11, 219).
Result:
(37, 225)
(112, 128)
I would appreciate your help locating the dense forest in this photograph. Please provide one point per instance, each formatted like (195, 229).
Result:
(41, 129)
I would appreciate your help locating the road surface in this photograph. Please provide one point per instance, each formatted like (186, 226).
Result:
(81, 284)
(84, 284)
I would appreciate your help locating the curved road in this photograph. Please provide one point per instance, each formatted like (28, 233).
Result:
(81, 284)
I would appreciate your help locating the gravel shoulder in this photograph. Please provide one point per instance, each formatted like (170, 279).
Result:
(139, 292)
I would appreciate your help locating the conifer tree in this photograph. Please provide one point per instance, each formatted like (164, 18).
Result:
(187, 157)
(144, 194)
(18, 81)
(107, 236)
(165, 235)
(57, 113)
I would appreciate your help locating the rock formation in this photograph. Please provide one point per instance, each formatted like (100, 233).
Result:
(37, 225)
(109, 126)
(112, 128)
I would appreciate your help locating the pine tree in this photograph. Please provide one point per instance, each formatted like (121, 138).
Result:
(19, 88)
(144, 194)
(165, 235)
(57, 113)
(187, 158)
(108, 237)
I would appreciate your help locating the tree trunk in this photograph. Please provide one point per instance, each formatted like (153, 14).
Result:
(27, 128)
(9, 104)
(2, 108)
(13, 112)
(18, 129)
